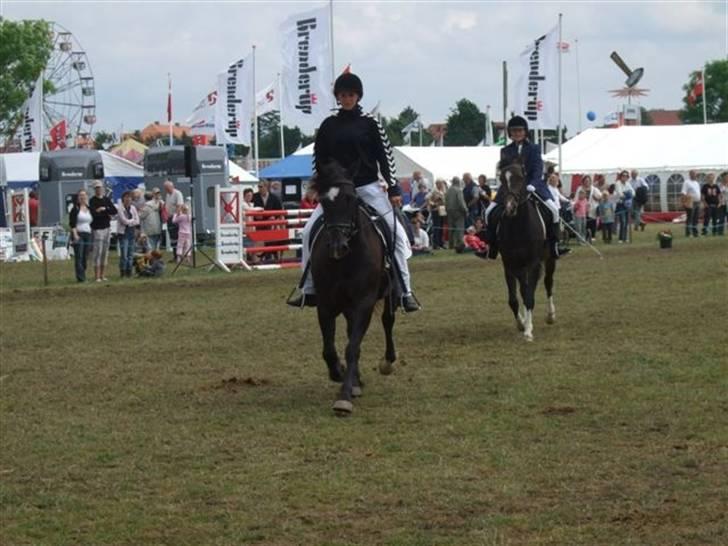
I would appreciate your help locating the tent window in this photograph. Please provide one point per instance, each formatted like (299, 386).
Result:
(674, 185)
(653, 200)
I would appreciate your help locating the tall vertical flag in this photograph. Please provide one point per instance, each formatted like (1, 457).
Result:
(57, 134)
(202, 119)
(169, 106)
(536, 91)
(267, 99)
(32, 119)
(307, 94)
(488, 141)
(235, 103)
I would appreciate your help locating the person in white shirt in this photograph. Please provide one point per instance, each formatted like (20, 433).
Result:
(690, 198)
(639, 199)
(421, 241)
(593, 196)
(624, 194)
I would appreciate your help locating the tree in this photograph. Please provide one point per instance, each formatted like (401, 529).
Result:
(25, 47)
(465, 124)
(269, 136)
(715, 94)
(102, 140)
(645, 117)
(393, 127)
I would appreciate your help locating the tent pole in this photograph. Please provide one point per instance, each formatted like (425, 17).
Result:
(560, 135)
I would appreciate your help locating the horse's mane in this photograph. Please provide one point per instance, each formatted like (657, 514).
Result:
(329, 175)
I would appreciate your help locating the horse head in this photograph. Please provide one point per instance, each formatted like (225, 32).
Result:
(337, 195)
(513, 177)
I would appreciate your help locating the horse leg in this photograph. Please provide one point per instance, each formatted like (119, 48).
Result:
(327, 323)
(358, 386)
(358, 323)
(528, 282)
(548, 282)
(513, 298)
(386, 366)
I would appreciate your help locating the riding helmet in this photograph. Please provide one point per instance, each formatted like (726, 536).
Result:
(349, 82)
(517, 122)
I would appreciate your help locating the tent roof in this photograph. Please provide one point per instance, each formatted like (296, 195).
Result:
(130, 149)
(645, 148)
(447, 161)
(294, 166)
(236, 171)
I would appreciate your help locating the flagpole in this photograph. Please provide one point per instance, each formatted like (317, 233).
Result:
(705, 96)
(255, 119)
(331, 37)
(279, 92)
(40, 112)
(169, 105)
(560, 135)
(578, 80)
(419, 124)
(505, 103)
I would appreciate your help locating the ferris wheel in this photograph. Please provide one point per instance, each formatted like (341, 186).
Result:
(72, 94)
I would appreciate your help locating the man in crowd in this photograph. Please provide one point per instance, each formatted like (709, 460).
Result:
(471, 194)
(711, 201)
(173, 201)
(415, 182)
(690, 198)
(640, 191)
(266, 200)
(456, 211)
(421, 241)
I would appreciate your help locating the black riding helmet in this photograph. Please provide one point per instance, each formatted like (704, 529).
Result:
(517, 122)
(349, 82)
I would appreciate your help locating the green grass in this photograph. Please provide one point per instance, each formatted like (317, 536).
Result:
(121, 423)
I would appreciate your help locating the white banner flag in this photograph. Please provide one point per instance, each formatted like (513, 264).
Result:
(234, 106)
(32, 122)
(306, 76)
(537, 87)
(202, 119)
(267, 99)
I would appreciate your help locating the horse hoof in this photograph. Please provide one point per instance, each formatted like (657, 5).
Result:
(356, 391)
(550, 319)
(386, 367)
(343, 408)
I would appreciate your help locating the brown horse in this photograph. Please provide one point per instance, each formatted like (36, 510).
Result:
(349, 272)
(522, 242)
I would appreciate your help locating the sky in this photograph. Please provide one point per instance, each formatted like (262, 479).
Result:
(424, 54)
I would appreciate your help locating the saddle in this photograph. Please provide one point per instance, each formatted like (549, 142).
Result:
(385, 236)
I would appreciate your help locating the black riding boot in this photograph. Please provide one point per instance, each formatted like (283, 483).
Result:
(301, 300)
(491, 233)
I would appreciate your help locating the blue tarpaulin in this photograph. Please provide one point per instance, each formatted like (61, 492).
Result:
(293, 166)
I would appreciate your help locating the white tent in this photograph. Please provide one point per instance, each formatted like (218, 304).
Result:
(663, 155)
(447, 161)
(240, 175)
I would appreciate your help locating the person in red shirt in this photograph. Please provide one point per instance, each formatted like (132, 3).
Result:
(309, 200)
(33, 208)
(475, 243)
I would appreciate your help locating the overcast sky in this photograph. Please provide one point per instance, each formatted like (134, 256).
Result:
(424, 54)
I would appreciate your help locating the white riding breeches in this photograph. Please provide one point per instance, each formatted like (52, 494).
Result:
(375, 195)
(550, 203)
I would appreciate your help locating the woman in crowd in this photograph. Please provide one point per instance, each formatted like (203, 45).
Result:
(438, 213)
(150, 219)
(624, 194)
(593, 197)
(80, 222)
(127, 222)
(102, 209)
(723, 187)
(184, 235)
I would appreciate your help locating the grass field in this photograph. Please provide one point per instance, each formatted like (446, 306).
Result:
(195, 410)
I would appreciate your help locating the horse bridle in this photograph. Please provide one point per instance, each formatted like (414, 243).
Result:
(348, 230)
(517, 196)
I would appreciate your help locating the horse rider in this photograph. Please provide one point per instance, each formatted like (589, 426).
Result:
(530, 154)
(359, 144)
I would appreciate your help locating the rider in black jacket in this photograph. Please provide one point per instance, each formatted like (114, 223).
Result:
(359, 144)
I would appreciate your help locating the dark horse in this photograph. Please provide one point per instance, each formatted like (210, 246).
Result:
(522, 241)
(350, 276)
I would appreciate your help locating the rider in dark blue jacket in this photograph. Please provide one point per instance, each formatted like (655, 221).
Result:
(521, 148)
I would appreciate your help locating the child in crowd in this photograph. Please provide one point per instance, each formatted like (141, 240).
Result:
(184, 235)
(154, 266)
(605, 213)
(581, 210)
(475, 243)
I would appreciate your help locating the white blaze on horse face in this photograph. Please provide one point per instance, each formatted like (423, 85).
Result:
(332, 194)
(508, 178)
